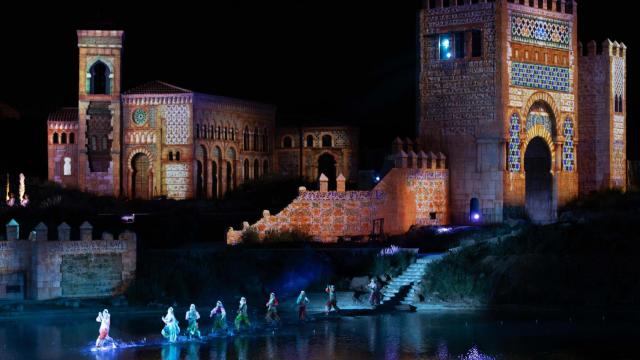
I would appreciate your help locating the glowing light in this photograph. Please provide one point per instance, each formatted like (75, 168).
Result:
(443, 230)
(377, 178)
(448, 55)
(446, 43)
(475, 216)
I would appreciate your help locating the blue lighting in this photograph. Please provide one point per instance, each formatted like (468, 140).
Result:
(475, 216)
(377, 178)
(448, 55)
(446, 43)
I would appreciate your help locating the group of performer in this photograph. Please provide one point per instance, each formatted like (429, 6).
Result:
(171, 330)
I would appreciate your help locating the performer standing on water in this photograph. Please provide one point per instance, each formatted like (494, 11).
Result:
(272, 309)
(171, 329)
(332, 302)
(220, 320)
(104, 318)
(374, 297)
(302, 302)
(242, 316)
(192, 317)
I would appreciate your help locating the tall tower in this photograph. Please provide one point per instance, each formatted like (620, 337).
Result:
(498, 96)
(603, 113)
(99, 111)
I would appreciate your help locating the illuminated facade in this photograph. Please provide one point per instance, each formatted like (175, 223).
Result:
(521, 114)
(158, 139)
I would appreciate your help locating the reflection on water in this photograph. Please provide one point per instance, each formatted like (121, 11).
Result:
(438, 336)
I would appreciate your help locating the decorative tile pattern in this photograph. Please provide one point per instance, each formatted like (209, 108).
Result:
(618, 171)
(539, 118)
(541, 31)
(618, 76)
(430, 196)
(176, 124)
(545, 77)
(568, 156)
(176, 177)
(514, 143)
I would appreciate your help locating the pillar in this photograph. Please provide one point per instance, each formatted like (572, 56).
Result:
(324, 183)
(86, 231)
(13, 230)
(341, 183)
(64, 232)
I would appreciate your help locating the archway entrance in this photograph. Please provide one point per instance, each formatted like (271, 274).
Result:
(214, 180)
(140, 177)
(327, 166)
(539, 203)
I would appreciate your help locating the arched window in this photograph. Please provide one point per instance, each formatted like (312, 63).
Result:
(568, 158)
(55, 138)
(514, 143)
(93, 143)
(474, 210)
(246, 169)
(63, 138)
(72, 138)
(256, 139)
(225, 133)
(233, 134)
(104, 143)
(287, 142)
(265, 168)
(170, 155)
(99, 78)
(265, 140)
(177, 155)
(197, 131)
(218, 132)
(309, 141)
(245, 135)
(327, 141)
(256, 169)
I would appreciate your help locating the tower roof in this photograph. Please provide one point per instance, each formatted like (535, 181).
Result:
(64, 114)
(157, 87)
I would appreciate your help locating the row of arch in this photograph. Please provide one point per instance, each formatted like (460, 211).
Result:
(326, 141)
(208, 131)
(260, 140)
(63, 138)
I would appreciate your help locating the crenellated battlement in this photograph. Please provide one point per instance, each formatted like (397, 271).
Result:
(606, 48)
(559, 6)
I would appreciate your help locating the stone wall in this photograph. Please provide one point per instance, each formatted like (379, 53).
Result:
(409, 194)
(602, 151)
(45, 269)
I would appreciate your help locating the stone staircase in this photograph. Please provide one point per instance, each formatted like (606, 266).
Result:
(402, 289)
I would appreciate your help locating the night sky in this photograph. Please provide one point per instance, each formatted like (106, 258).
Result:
(320, 63)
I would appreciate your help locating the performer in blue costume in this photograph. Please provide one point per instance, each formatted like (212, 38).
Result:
(192, 317)
(171, 328)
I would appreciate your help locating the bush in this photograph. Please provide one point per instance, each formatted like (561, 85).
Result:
(289, 236)
(392, 265)
(250, 236)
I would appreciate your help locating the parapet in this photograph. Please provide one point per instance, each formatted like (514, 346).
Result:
(41, 233)
(560, 6)
(409, 154)
(607, 48)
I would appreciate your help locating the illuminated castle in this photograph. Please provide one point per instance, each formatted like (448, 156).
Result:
(527, 122)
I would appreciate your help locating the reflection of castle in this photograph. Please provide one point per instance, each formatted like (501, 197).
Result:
(526, 120)
(161, 140)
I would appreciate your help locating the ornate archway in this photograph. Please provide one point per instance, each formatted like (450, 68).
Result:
(140, 177)
(539, 201)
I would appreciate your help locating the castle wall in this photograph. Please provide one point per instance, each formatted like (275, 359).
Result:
(404, 197)
(602, 151)
(39, 269)
(458, 109)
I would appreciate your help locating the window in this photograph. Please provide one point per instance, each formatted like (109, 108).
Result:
(459, 44)
(256, 139)
(246, 169)
(476, 43)
(218, 132)
(287, 142)
(93, 143)
(327, 141)
(197, 131)
(225, 133)
(256, 169)
(63, 138)
(55, 138)
(309, 141)
(446, 43)
(67, 166)
(245, 135)
(433, 216)
(99, 76)
(265, 141)
(265, 167)
(72, 138)
(170, 155)
(177, 155)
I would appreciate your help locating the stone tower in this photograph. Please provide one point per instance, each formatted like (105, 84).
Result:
(99, 111)
(498, 96)
(603, 112)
